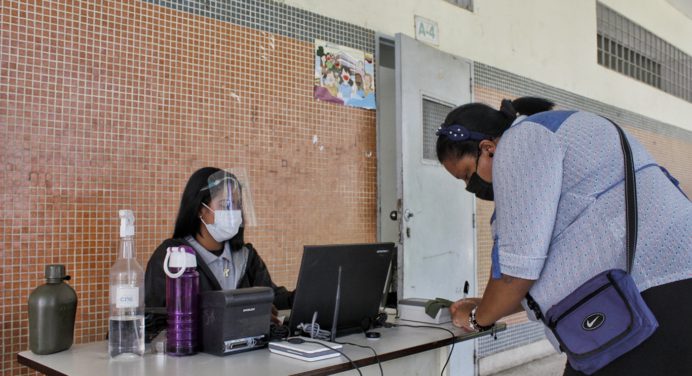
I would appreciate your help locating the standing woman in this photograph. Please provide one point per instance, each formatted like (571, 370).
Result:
(210, 220)
(557, 181)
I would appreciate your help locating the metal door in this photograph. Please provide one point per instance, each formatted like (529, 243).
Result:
(436, 253)
(434, 213)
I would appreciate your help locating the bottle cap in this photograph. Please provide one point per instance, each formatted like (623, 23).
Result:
(127, 223)
(55, 272)
(182, 256)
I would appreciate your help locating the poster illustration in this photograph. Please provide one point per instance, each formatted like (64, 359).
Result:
(344, 75)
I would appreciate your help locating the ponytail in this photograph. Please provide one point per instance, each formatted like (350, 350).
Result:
(484, 121)
(532, 105)
(507, 109)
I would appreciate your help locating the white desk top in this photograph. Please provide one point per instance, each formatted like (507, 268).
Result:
(92, 358)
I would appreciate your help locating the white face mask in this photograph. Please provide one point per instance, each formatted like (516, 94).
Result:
(226, 224)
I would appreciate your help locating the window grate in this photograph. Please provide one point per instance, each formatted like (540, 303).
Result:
(434, 114)
(617, 57)
(516, 335)
(627, 48)
(466, 4)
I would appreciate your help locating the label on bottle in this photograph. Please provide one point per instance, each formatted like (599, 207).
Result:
(126, 297)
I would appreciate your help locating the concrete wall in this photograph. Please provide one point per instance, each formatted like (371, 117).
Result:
(551, 41)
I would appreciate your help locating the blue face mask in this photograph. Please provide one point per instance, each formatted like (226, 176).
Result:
(226, 224)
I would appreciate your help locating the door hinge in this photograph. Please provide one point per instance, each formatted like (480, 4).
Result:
(473, 220)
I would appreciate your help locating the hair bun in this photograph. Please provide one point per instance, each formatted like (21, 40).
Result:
(507, 109)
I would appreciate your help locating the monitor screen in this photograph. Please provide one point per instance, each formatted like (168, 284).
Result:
(364, 269)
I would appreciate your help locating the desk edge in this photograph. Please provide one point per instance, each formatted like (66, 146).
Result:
(38, 366)
(400, 353)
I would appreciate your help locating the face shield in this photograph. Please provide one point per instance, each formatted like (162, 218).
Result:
(231, 192)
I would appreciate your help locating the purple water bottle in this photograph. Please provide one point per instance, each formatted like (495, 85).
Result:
(182, 288)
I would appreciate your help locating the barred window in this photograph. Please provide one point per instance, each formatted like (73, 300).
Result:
(466, 4)
(628, 48)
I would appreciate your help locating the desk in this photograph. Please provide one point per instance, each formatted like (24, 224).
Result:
(397, 342)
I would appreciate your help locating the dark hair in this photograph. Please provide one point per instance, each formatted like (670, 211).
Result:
(188, 221)
(479, 117)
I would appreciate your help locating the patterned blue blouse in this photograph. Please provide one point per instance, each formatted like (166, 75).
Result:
(558, 180)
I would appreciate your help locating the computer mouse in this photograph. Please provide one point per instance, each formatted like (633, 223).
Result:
(372, 335)
(295, 340)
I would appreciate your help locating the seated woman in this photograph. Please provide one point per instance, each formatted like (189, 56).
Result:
(210, 220)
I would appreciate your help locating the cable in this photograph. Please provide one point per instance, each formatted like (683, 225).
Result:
(365, 347)
(342, 354)
(380, 320)
(314, 331)
(435, 327)
(278, 332)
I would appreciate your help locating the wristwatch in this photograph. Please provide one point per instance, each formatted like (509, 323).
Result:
(475, 325)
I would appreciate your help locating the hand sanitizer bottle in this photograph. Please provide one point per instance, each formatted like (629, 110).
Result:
(126, 328)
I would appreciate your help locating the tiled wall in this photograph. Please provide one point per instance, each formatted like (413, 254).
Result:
(113, 104)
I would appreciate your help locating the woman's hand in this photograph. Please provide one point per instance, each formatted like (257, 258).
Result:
(275, 316)
(502, 297)
(460, 311)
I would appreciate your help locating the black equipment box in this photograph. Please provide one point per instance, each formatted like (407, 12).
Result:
(237, 320)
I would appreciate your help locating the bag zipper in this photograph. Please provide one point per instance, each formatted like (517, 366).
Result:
(553, 323)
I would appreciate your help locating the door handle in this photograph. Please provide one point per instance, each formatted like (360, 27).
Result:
(394, 215)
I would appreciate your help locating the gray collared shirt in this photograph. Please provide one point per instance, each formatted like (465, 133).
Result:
(228, 268)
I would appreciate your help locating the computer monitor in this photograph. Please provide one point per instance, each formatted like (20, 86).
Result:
(364, 269)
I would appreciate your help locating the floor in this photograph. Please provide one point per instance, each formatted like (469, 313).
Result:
(552, 365)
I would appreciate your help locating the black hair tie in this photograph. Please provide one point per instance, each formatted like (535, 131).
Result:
(507, 109)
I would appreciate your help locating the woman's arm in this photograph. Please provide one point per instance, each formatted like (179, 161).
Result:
(502, 297)
(258, 275)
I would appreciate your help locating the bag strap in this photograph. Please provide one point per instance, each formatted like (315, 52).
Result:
(630, 198)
